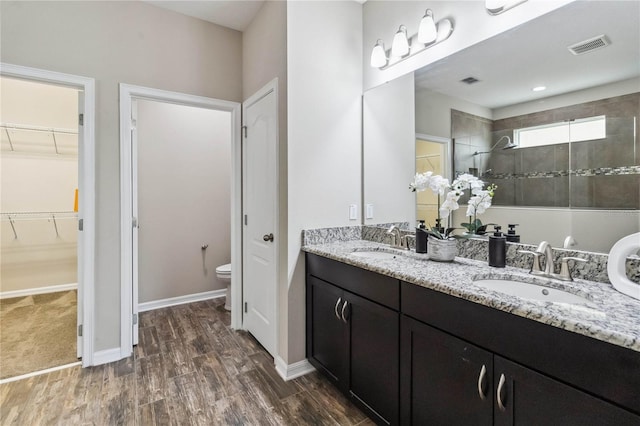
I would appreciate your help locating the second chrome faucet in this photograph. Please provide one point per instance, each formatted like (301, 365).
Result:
(545, 249)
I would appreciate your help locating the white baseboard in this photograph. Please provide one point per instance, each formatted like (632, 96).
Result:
(189, 298)
(38, 290)
(39, 373)
(106, 356)
(291, 371)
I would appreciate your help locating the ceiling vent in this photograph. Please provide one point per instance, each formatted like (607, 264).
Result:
(470, 80)
(590, 45)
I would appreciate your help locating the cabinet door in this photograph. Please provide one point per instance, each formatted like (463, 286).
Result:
(525, 397)
(444, 380)
(373, 357)
(326, 332)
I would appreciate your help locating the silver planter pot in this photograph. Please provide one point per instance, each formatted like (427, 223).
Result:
(442, 250)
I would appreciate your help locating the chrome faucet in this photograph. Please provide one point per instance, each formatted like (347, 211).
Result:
(404, 241)
(396, 239)
(545, 249)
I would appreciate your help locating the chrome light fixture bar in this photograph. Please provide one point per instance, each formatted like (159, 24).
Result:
(496, 7)
(429, 34)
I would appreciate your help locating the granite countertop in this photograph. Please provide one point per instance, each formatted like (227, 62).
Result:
(610, 316)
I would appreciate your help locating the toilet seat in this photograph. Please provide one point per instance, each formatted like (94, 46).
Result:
(224, 270)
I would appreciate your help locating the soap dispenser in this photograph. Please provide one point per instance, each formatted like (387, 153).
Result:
(421, 238)
(512, 237)
(497, 248)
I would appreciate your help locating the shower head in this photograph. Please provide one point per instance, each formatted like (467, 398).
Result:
(509, 145)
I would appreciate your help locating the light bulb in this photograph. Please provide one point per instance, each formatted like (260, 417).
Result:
(400, 46)
(427, 32)
(378, 55)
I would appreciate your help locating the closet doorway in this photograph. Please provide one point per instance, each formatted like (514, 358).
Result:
(39, 208)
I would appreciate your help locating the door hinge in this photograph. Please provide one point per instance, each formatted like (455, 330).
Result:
(80, 330)
(245, 307)
(135, 319)
(80, 224)
(245, 130)
(246, 221)
(134, 222)
(81, 119)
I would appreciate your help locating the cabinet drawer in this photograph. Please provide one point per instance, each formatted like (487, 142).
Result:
(378, 288)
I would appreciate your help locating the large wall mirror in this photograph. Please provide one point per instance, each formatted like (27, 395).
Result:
(572, 167)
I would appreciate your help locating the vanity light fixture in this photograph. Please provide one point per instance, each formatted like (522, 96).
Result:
(429, 34)
(378, 55)
(400, 46)
(496, 7)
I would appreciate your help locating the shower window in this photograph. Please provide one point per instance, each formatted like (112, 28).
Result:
(584, 129)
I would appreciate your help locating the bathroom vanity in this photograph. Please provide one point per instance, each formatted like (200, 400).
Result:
(412, 341)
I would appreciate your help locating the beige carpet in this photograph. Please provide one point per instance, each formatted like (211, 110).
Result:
(37, 332)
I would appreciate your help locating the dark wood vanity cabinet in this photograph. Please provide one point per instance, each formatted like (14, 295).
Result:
(414, 356)
(448, 381)
(352, 339)
(444, 380)
(534, 374)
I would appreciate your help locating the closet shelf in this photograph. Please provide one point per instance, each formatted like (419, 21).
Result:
(53, 131)
(12, 217)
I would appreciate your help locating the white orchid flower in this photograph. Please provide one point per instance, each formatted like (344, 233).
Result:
(450, 204)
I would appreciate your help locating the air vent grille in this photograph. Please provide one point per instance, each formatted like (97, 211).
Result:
(469, 80)
(590, 45)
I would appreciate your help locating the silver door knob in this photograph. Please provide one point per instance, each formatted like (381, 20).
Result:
(268, 237)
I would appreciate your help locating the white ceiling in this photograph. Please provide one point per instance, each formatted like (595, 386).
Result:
(535, 54)
(235, 14)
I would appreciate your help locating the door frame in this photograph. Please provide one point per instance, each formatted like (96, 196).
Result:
(86, 184)
(237, 293)
(443, 141)
(128, 92)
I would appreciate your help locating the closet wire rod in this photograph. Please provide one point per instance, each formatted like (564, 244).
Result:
(9, 137)
(11, 126)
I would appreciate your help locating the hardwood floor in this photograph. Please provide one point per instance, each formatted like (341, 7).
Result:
(188, 369)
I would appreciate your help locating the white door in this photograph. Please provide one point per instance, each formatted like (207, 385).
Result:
(260, 241)
(81, 192)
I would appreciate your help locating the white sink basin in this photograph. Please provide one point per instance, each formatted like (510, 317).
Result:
(539, 292)
(374, 254)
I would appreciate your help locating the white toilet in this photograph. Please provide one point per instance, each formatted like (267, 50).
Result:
(223, 272)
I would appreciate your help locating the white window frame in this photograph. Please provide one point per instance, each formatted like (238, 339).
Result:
(560, 124)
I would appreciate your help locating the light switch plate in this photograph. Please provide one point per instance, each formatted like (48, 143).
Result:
(369, 211)
(353, 212)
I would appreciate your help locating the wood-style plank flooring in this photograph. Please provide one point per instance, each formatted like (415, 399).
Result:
(189, 368)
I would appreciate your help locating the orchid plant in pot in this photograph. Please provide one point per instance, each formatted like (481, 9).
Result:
(479, 202)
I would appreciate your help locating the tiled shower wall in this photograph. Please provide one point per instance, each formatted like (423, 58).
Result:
(603, 173)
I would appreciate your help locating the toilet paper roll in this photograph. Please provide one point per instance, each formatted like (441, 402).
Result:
(616, 267)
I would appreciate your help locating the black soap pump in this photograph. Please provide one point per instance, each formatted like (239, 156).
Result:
(421, 238)
(512, 237)
(497, 248)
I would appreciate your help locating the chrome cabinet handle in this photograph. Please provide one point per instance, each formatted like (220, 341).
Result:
(342, 313)
(481, 377)
(499, 393)
(336, 308)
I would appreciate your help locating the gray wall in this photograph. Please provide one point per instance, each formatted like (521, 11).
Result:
(184, 200)
(324, 69)
(114, 42)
